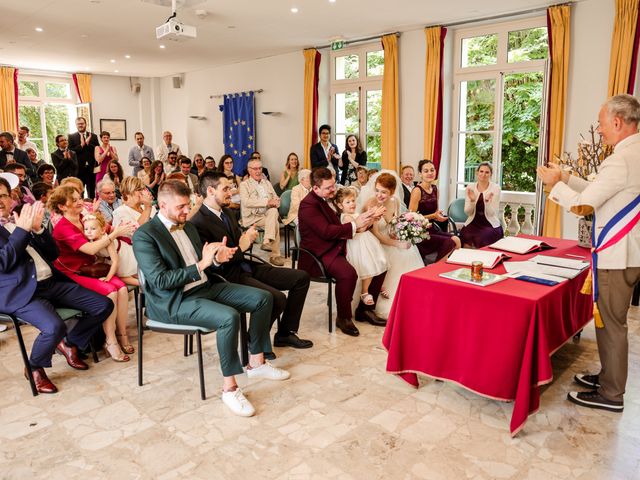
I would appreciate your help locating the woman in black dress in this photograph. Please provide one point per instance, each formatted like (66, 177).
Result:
(424, 200)
(353, 157)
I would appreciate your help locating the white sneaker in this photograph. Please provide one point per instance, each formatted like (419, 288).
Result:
(238, 403)
(266, 370)
(3, 327)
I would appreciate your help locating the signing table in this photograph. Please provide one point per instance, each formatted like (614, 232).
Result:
(495, 340)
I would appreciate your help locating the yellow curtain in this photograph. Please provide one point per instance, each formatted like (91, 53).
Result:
(83, 83)
(622, 44)
(558, 21)
(389, 114)
(309, 101)
(431, 88)
(8, 100)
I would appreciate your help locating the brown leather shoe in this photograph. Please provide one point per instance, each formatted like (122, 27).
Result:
(369, 316)
(71, 354)
(347, 327)
(43, 384)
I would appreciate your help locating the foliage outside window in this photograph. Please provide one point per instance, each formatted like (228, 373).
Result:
(356, 97)
(500, 105)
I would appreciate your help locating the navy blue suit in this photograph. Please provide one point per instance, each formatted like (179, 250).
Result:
(35, 302)
(20, 156)
(319, 158)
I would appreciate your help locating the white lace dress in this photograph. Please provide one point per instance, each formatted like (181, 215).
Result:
(365, 253)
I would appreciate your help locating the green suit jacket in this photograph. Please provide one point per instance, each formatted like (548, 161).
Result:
(163, 267)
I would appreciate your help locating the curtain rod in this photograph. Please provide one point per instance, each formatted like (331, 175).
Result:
(501, 16)
(359, 40)
(220, 95)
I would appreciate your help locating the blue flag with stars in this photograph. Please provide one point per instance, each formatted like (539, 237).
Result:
(239, 128)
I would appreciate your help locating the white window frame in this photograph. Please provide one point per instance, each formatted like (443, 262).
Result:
(362, 85)
(487, 72)
(42, 100)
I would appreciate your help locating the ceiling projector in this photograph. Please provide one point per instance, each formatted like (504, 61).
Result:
(176, 31)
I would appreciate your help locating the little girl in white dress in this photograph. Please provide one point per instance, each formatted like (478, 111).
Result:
(364, 252)
(119, 252)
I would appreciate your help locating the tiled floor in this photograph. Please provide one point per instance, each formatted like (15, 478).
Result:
(339, 416)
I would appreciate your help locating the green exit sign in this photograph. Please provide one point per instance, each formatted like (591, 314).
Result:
(337, 45)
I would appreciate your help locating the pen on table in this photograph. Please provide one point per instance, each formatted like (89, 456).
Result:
(576, 256)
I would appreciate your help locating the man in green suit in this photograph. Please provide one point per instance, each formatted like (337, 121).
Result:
(177, 289)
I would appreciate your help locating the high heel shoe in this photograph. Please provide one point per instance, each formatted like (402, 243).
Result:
(125, 347)
(116, 354)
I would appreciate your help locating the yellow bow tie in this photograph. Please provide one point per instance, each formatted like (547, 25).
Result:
(176, 227)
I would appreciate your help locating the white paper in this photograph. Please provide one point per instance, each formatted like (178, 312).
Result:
(532, 269)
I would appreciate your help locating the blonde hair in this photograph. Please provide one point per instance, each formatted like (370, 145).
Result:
(61, 195)
(74, 182)
(95, 217)
(342, 194)
(130, 185)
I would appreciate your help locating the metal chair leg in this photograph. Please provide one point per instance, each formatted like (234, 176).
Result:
(186, 345)
(330, 305)
(200, 366)
(25, 357)
(190, 344)
(635, 299)
(244, 340)
(94, 354)
(139, 320)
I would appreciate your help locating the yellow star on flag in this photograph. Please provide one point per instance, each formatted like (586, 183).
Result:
(243, 122)
(250, 137)
(248, 129)
(248, 145)
(244, 152)
(231, 145)
(235, 122)
(235, 152)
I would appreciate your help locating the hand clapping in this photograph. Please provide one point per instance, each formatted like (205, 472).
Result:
(28, 216)
(471, 194)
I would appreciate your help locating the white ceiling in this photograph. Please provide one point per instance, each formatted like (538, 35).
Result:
(85, 35)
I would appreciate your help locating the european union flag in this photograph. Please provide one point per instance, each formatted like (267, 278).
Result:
(239, 128)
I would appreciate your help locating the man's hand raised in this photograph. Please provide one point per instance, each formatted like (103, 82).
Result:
(247, 238)
(224, 253)
(25, 219)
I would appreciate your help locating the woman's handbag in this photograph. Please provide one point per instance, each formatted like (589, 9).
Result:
(95, 270)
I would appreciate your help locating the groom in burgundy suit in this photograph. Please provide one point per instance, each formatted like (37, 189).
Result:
(326, 237)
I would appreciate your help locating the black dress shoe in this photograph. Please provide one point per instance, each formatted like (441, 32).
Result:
(43, 384)
(369, 316)
(269, 356)
(347, 327)
(70, 352)
(291, 340)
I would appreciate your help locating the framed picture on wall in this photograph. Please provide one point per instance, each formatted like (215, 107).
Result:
(117, 128)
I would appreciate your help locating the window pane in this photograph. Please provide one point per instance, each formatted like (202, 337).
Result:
(375, 63)
(473, 149)
(374, 106)
(58, 90)
(57, 119)
(347, 67)
(477, 105)
(29, 116)
(347, 112)
(530, 44)
(28, 89)
(480, 50)
(521, 130)
(373, 151)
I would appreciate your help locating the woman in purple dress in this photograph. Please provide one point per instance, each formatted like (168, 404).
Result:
(481, 204)
(104, 153)
(424, 200)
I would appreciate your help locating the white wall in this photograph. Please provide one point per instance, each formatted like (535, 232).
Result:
(113, 99)
(281, 77)
(591, 30)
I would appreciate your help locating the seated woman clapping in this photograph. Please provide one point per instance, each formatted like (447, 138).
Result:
(137, 204)
(364, 252)
(481, 205)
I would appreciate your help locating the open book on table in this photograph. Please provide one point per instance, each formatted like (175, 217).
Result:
(520, 245)
(465, 256)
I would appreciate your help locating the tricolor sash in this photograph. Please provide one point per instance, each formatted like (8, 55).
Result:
(614, 231)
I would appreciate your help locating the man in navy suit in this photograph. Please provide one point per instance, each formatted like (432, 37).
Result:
(31, 288)
(325, 153)
(84, 144)
(10, 154)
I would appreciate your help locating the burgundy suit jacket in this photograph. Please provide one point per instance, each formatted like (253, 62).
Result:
(321, 233)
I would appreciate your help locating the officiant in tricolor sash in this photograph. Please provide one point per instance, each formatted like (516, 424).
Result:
(614, 198)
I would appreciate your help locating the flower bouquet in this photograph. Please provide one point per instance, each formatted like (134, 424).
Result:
(409, 227)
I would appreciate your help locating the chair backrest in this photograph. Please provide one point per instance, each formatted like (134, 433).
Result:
(141, 280)
(456, 211)
(285, 203)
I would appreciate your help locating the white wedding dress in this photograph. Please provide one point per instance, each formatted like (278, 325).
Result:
(399, 260)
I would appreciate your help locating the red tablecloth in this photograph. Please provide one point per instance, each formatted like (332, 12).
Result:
(495, 340)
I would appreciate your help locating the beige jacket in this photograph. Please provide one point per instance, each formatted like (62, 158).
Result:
(615, 186)
(297, 194)
(252, 206)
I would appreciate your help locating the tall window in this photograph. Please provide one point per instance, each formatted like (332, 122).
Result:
(356, 97)
(47, 105)
(498, 90)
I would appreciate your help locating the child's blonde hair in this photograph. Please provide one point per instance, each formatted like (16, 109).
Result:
(342, 194)
(95, 217)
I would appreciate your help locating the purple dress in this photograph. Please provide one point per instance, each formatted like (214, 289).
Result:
(439, 242)
(103, 166)
(479, 233)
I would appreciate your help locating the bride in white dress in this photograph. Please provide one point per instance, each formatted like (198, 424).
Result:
(402, 257)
